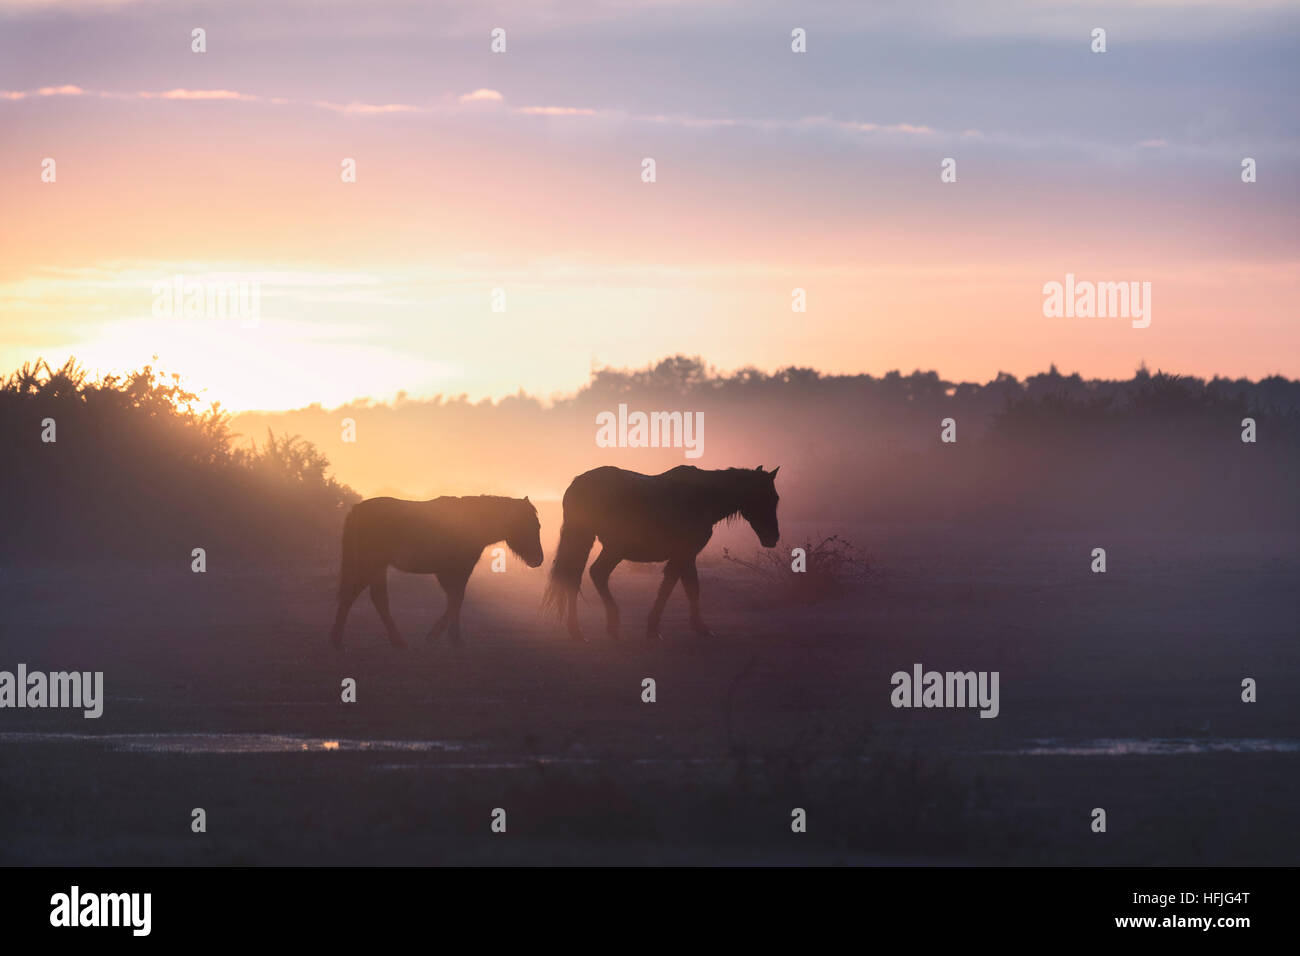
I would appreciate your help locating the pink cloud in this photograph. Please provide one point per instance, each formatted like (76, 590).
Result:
(200, 95)
(485, 95)
(67, 90)
(482, 96)
(367, 107)
(555, 111)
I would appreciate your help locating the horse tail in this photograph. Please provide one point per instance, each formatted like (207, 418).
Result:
(350, 569)
(571, 553)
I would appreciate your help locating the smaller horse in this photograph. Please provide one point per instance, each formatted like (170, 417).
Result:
(667, 517)
(444, 537)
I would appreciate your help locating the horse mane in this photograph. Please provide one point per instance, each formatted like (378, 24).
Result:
(485, 499)
(471, 513)
(703, 476)
(473, 508)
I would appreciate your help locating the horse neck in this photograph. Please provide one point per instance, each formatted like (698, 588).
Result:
(488, 523)
(497, 522)
(722, 496)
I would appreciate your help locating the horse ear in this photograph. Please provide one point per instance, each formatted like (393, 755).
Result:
(774, 471)
(759, 468)
(526, 498)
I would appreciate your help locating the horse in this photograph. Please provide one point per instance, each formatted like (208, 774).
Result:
(651, 518)
(443, 537)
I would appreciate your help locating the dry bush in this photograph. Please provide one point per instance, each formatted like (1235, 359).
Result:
(834, 568)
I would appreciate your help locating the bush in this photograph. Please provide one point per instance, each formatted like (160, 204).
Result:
(138, 469)
(834, 567)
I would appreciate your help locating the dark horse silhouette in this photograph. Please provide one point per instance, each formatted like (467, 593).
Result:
(443, 537)
(668, 517)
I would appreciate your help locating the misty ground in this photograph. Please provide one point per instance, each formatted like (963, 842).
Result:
(787, 707)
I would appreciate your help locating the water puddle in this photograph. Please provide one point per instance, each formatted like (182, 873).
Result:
(1154, 747)
(291, 743)
(453, 766)
(231, 743)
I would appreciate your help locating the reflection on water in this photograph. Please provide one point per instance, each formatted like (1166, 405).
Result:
(290, 743)
(532, 763)
(1155, 747)
(228, 743)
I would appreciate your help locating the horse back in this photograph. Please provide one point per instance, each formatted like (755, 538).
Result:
(418, 536)
(632, 506)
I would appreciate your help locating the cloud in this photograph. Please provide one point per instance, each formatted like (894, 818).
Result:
(482, 96)
(554, 111)
(198, 95)
(218, 95)
(889, 128)
(367, 107)
(43, 91)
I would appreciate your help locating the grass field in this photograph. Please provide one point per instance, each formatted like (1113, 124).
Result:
(1120, 691)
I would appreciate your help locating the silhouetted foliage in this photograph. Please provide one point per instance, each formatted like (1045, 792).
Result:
(138, 461)
(137, 469)
(834, 567)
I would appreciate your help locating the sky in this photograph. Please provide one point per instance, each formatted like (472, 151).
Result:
(522, 171)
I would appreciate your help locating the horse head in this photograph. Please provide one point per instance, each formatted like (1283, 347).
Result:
(525, 535)
(758, 505)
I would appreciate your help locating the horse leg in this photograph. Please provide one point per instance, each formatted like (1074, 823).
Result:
(571, 618)
(440, 625)
(672, 571)
(379, 597)
(349, 591)
(454, 584)
(601, 569)
(691, 584)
